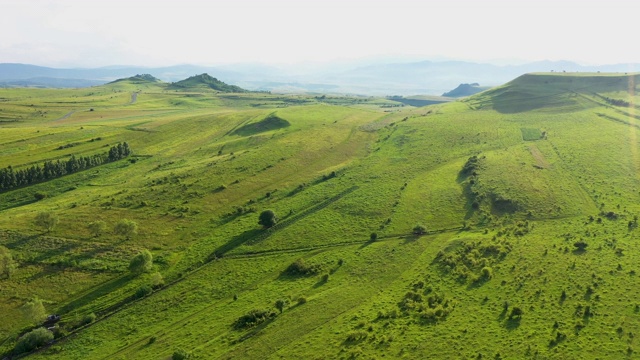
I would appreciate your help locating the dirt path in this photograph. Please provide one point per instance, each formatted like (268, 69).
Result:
(65, 116)
(134, 97)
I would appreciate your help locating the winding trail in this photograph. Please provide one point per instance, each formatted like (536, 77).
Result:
(134, 97)
(66, 116)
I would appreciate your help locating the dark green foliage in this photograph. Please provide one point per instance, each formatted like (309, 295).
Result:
(580, 245)
(419, 230)
(141, 262)
(356, 336)
(302, 300)
(180, 354)
(11, 179)
(40, 195)
(373, 237)
(516, 313)
(473, 257)
(253, 318)
(267, 218)
(281, 304)
(471, 166)
(33, 340)
(88, 319)
(432, 308)
(300, 267)
(144, 290)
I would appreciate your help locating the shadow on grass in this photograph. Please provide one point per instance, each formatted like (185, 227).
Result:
(235, 241)
(104, 289)
(512, 323)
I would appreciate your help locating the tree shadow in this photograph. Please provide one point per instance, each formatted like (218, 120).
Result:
(104, 289)
(235, 241)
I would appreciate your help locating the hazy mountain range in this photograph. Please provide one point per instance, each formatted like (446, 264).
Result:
(401, 78)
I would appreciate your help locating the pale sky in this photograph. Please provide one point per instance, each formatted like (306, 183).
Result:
(91, 33)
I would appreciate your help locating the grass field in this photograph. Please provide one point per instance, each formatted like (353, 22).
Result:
(528, 193)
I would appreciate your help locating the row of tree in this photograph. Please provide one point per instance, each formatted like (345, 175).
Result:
(11, 179)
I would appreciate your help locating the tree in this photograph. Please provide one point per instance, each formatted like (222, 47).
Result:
(267, 218)
(33, 340)
(126, 227)
(373, 237)
(46, 220)
(156, 280)
(96, 228)
(141, 262)
(7, 264)
(33, 310)
(280, 304)
(180, 355)
(419, 230)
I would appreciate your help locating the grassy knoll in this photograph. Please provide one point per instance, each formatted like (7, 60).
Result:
(528, 194)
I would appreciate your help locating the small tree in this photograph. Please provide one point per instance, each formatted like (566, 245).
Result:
(157, 280)
(126, 228)
(7, 264)
(419, 230)
(267, 218)
(141, 262)
(33, 310)
(280, 304)
(516, 313)
(180, 355)
(46, 220)
(96, 228)
(33, 340)
(373, 237)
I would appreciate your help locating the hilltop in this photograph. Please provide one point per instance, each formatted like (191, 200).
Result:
(202, 81)
(139, 78)
(501, 225)
(465, 90)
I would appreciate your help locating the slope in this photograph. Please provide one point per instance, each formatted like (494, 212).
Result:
(530, 246)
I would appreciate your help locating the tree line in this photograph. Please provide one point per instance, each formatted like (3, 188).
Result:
(11, 179)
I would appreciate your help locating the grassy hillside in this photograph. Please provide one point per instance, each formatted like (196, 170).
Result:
(500, 226)
(205, 81)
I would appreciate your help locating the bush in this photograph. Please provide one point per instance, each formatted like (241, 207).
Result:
(156, 280)
(253, 318)
(486, 273)
(96, 228)
(143, 291)
(88, 319)
(419, 230)
(141, 262)
(126, 227)
(46, 220)
(373, 237)
(40, 195)
(302, 300)
(33, 340)
(180, 355)
(300, 267)
(267, 218)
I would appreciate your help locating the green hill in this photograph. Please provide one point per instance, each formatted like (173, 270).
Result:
(204, 81)
(503, 225)
(140, 78)
(465, 90)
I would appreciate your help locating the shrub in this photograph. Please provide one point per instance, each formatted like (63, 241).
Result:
(267, 218)
(302, 300)
(516, 313)
(156, 280)
(253, 318)
(33, 340)
(180, 355)
(141, 262)
(300, 267)
(324, 278)
(88, 319)
(40, 195)
(580, 245)
(96, 228)
(486, 273)
(419, 230)
(126, 227)
(373, 237)
(143, 291)
(281, 304)
(46, 220)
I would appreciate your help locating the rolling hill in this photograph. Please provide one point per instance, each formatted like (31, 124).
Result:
(502, 225)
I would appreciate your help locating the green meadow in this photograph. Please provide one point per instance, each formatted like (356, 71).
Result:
(501, 226)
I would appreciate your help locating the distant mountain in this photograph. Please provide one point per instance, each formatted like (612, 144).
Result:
(465, 90)
(206, 81)
(143, 78)
(382, 78)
